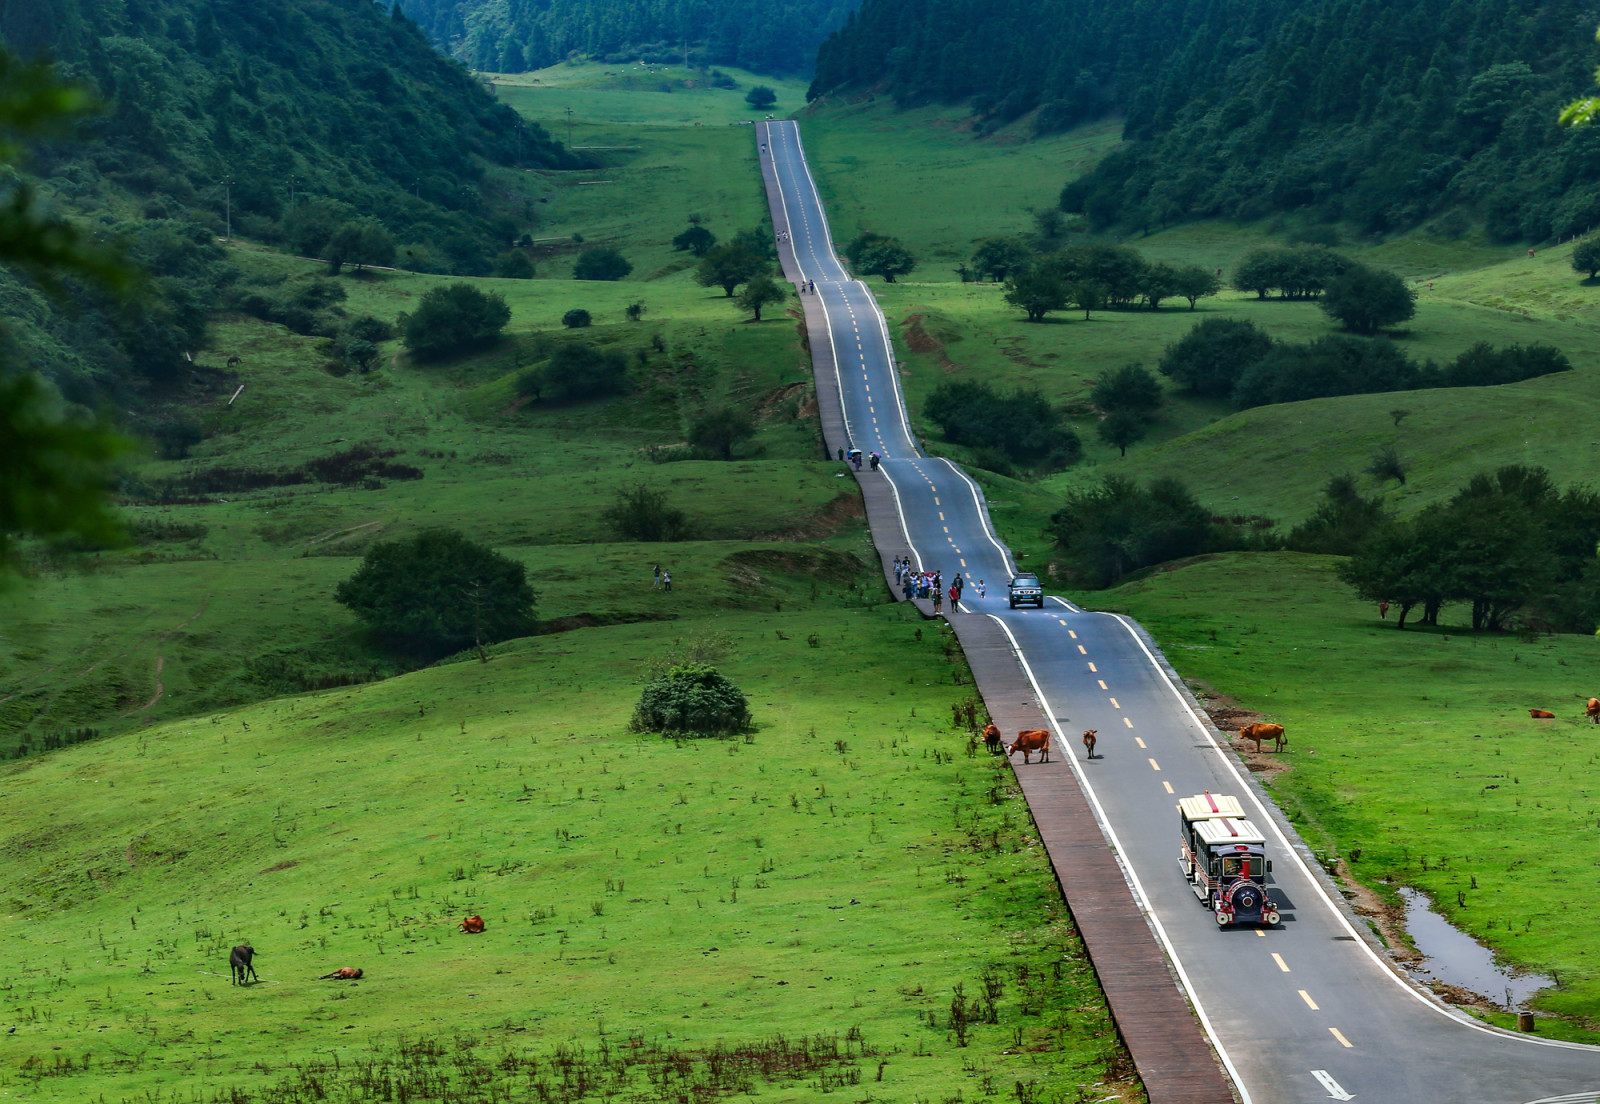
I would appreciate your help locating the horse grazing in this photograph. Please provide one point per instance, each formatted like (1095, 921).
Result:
(1260, 732)
(234, 362)
(1089, 742)
(1030, 740)
(991, 738)
(239, 962)
(472, 925)
(343, 973)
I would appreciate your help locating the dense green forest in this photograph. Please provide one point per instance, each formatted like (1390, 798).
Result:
(508, 36)
(1383, 114)
(282, 120)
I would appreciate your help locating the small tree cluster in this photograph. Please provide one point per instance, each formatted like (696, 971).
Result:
(1088, 277)
(1300, 273)
(643, 513)
(1118, 527)
(1508, 543)
(1128, 399)
(728, 266)
(1020, 428)
(576, 372)
(878, 255)
(692, 700)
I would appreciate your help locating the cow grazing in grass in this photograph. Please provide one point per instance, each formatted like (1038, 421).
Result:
(1592, 710)
(991, 738)
(472, 925)
(1260, 732)
(1541, 714)
(343, 973)
(234, 362)
(1030, 740)
(1088, 743)
(239, 962)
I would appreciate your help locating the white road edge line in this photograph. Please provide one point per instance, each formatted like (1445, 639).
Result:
(1127, 870)
(1322, 894)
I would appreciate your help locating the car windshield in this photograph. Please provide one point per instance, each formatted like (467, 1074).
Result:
(1025, 580)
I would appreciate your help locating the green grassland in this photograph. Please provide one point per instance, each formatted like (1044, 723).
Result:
(1412, 753)
(839, 872)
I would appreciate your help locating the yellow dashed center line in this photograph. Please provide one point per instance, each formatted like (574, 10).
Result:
(1070, 632)
(1138, 741)
(1311, 1004)
(1127, 722)
(1092, 667)
(1153, 764)
(1082, 650)
(1114, 704)
(1102, 683)
(1261, 934)
(1282, 965)
(1168, 786)
(1337, 1034)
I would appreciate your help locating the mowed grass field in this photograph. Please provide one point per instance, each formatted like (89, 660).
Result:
(837, 877)
(1412, 755)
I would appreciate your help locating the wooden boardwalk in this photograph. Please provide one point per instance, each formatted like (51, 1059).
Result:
(1172, 1055)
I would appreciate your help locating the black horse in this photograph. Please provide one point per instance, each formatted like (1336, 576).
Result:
(243, 972)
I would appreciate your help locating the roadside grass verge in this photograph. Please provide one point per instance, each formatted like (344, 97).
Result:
(1412, 755)
(842, 872)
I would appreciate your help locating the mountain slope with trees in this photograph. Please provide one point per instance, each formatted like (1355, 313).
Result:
(1386, 115)
(508, 36)
(285, 121)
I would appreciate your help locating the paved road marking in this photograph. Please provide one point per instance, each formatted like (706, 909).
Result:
(1168, 785)
(1342, 1040)
(1260, 934)
(936, 500)
(1070, 632)
(1082, 650)
(1282, 965)
(1114, 704)
(1092, 667)
(1311, 1004)
(1127, 722)
(1102, 683)
(1154, 765)
(1335, 1090)
(941, 515)
(1138, 741)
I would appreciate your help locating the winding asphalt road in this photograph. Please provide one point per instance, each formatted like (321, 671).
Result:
(1307, 1011)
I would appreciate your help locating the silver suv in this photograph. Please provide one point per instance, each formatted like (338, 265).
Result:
(1025, 588)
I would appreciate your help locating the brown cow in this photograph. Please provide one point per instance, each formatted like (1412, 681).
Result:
(1089, 741)
(991, 737)
(1592, 710)
(1030, 740)
(1260, 732)
(472, 925)
(343, 973)
(1541, 714)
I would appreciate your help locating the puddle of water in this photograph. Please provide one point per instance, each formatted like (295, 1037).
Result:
(1455, 958)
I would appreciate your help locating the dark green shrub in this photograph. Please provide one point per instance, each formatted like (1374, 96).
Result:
(1022, 425)
(600, 262)
(454, 318)
(1209, 359)
(691, 700)
(576, 318)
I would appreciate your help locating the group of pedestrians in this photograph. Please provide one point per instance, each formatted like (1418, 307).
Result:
(808, 285)
(930, 584)
(783, 236)
(663, 579)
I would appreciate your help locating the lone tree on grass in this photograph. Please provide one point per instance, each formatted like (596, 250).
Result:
(1367, 300)
(697, 240)
(728, 266)
(642, 513)
(454, 318)
(1195, 283)
(718, 431)
(1130, 389)
(1036, 292)
(878, 255)
(600, 262)
(1386, 465)
(1122, 428)
(761, 97)
(691, 700)
(359, 243)
(1586, 256)
(760, 292)
(439, 592)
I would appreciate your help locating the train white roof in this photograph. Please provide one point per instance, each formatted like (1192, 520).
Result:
(1208, 806)
(1226, 830)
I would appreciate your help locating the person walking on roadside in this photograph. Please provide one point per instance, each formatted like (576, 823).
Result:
(982, 589)
(938, 603)
(907, 588)
(955, 595)
(959, 584)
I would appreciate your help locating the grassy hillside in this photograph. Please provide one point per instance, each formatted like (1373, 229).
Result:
(1411, 754)
(830, 880)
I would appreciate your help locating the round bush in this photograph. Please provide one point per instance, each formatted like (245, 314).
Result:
(575, 319)
(691, 700)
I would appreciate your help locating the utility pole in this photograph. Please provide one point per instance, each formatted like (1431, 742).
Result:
(569, 128)
(228, 185)
(519, 143)
(291, 194)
